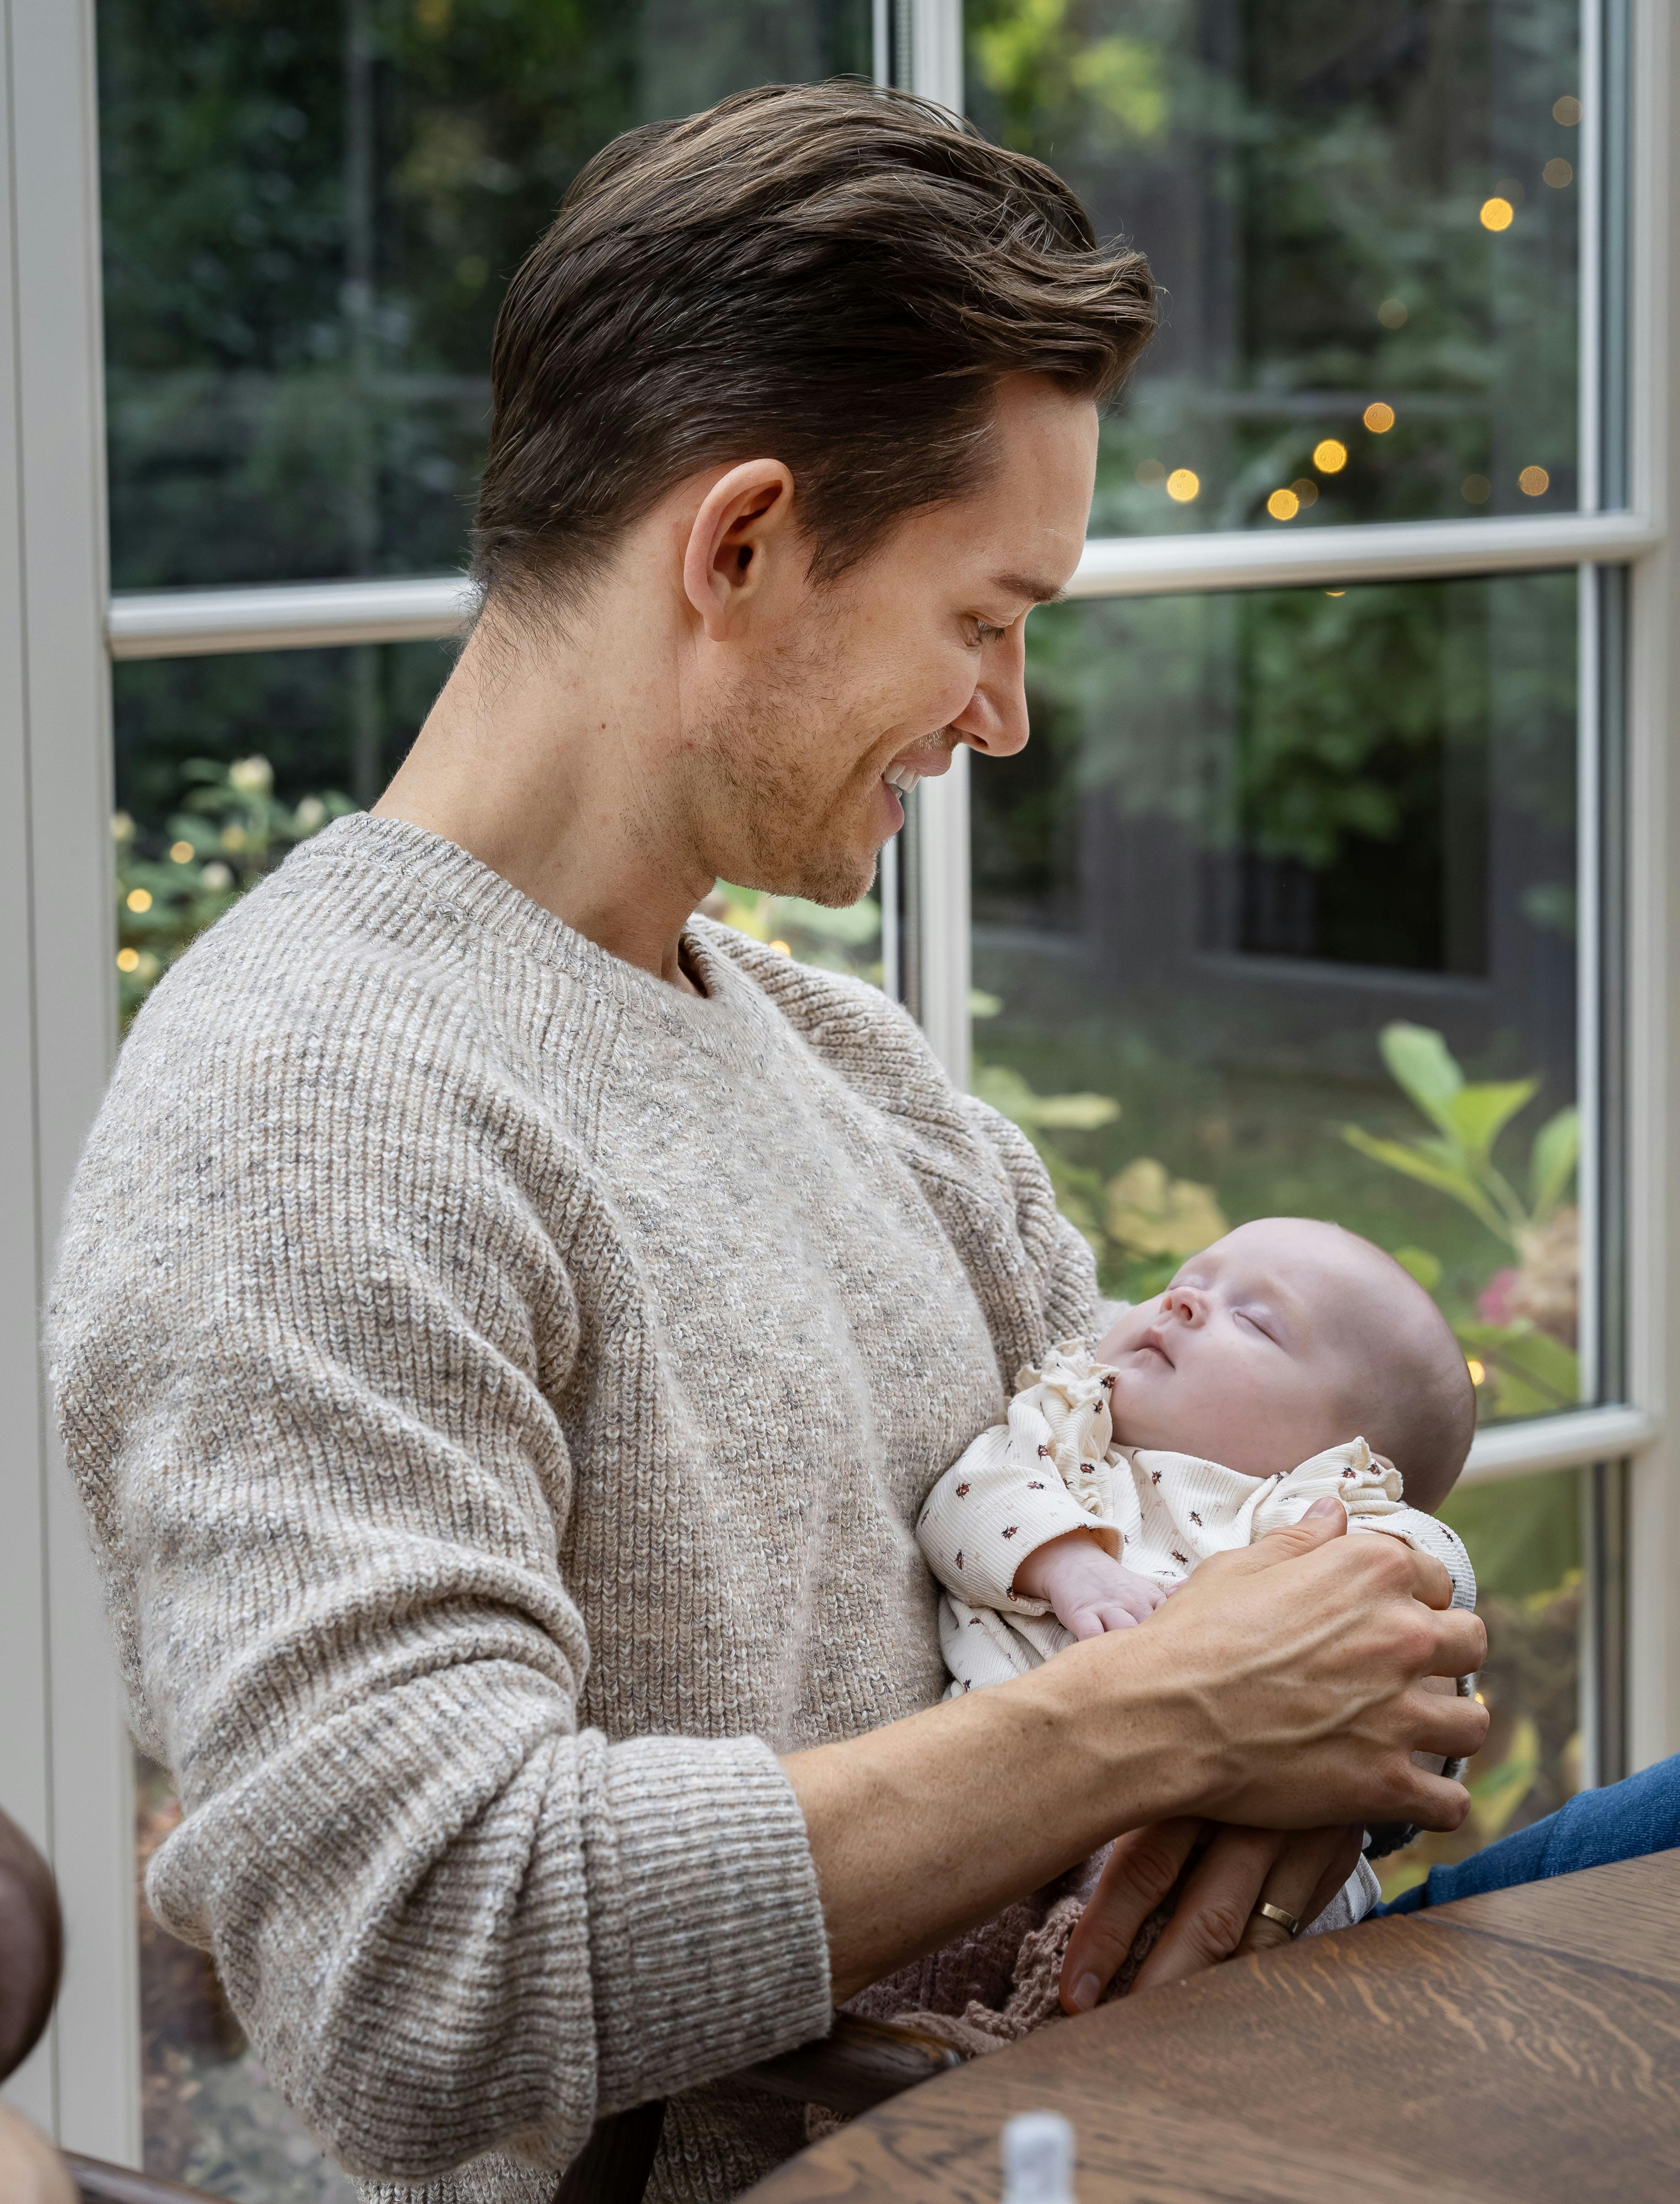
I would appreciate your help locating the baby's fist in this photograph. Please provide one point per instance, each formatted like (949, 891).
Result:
(1089, 1589)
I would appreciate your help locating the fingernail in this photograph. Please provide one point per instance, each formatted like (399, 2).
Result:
(1085, 1993)
(1327, 1507)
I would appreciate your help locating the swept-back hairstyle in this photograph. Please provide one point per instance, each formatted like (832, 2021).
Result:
(830, 275)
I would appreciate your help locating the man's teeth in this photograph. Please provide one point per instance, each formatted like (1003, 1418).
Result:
(904, 777)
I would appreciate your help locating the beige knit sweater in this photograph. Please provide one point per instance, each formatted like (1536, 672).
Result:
(501, 1389)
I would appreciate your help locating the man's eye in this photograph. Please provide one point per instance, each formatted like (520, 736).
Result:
(981, 631)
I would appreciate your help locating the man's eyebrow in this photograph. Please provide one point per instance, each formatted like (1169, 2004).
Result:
(1036, 591)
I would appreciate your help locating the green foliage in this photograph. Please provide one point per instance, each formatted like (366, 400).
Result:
(844, 940)
(1458, 1161)
(229, 831)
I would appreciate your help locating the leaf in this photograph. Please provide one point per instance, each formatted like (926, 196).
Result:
(1422, 1265)
(852, 922)
(1534, 1373)
(1429, 1170)
(1477, 1115)
(1556, 1152)
(1149, 1213)
(1080, 1113)
(1421, 1066)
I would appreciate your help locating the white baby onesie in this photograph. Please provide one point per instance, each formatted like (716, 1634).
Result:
(1054, 1468)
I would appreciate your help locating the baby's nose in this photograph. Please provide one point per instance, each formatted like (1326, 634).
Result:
(1184, 1303)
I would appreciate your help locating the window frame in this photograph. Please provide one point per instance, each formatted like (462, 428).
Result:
(63, 1757)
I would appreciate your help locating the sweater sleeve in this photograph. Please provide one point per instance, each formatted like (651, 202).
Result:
(987, 1514)
(307, 1339)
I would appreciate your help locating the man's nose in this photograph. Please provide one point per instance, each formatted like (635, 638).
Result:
(995, 721)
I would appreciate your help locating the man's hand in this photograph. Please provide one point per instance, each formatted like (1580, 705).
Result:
(1281, 1689)
(1215, 1918)
(1088, 1589)
(1291, 1676)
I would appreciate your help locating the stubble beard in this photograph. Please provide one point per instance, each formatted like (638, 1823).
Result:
(767, 782)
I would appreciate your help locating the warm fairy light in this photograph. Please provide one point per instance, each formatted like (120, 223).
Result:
(140, 899)
(126, 959)
(1182, 485)
(1283, 505)
(1335, 593)
(782, 948)
(1477, 489)
(122, 826)
(233, 837)
(1393, 314)
(181, 852)
(1151, 474)
(1330, 457)
(1497, 213)
(1306, 493)
(1558, 174)
(1566, 110)
(1534, 481)
(1378, 417)
(1478, 1371)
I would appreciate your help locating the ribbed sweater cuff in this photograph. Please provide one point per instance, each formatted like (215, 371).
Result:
(715, 1954)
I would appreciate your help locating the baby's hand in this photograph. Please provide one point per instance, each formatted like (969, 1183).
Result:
(1090, 1591)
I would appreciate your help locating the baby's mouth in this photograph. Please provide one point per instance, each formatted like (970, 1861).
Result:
(1152, 1344)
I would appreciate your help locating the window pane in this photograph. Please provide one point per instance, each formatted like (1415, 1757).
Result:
(310, 216)
(1366, 221)
(1266, 859)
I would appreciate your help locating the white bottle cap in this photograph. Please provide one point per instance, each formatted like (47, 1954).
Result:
(1037, 2159)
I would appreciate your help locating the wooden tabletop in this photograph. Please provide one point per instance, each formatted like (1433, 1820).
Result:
(1522, 2046)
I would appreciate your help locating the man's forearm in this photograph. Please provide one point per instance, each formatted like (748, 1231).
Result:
(1281, 1688)
(923, 1828)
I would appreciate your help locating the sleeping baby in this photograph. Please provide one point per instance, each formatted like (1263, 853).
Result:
(1290, 1360)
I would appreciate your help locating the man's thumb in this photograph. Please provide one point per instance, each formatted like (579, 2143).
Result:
(1325, 1519)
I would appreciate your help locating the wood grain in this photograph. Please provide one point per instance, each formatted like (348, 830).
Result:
(1407, 2059)
(1627, 1916)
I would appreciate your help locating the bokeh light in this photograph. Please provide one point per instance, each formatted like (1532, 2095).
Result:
(1558, 174)
(1566, 110)
(1330, 457)
(1534, 481)
(1392, 313)
(1497, 213)
(1151, 474)
(1477, 489)
(1378, 417)
(140, 899)
(1283, 505)
(1306, 493)
(1182, 484)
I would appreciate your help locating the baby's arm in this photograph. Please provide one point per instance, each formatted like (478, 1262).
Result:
(1001, 1537)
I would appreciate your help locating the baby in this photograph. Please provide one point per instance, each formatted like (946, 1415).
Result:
(1289, 1360)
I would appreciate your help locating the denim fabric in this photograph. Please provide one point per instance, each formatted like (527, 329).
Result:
(1623, 1822)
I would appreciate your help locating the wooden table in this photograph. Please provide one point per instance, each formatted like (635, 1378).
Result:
(1522, 2046)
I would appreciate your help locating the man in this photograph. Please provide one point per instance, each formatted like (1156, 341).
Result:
(507, 1327)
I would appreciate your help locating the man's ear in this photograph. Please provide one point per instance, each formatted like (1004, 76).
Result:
(744, 520)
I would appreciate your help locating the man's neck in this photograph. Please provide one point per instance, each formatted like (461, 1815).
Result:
(541, 758)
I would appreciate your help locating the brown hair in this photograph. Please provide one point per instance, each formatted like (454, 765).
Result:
(830, 275)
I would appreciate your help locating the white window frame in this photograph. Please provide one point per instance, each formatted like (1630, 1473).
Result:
(63, 1757)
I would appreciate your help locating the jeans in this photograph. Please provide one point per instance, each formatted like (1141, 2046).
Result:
(1623, 1822)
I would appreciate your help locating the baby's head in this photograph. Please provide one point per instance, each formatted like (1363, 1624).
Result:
(1288, 1336)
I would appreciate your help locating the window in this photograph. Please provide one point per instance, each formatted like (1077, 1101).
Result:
(1349, 779)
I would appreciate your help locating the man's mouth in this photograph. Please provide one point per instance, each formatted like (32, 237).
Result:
(904, 777)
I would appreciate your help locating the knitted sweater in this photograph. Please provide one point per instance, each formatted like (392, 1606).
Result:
(502, 1388)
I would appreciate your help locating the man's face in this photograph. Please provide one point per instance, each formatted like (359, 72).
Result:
(917, 649)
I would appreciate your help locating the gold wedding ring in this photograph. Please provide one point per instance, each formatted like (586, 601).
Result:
(1291, 1922)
